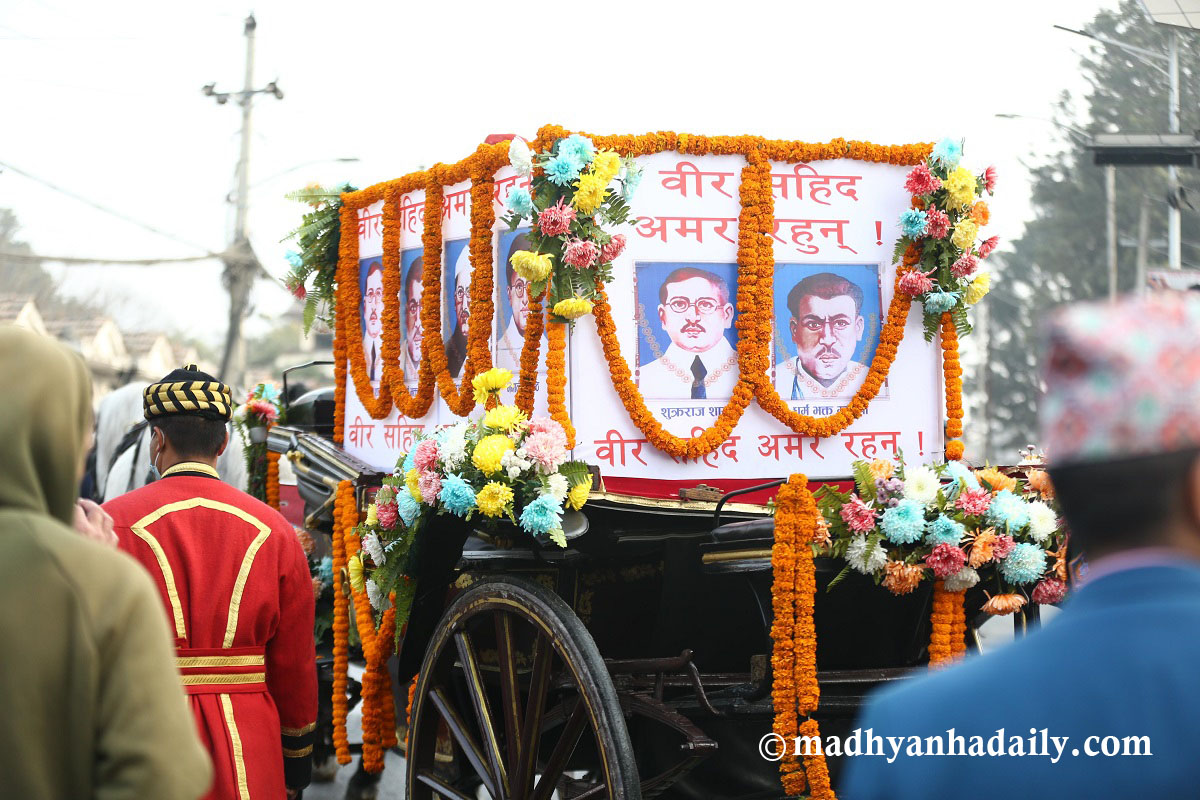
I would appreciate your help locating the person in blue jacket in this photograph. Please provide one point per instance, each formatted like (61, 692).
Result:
(1104, 700)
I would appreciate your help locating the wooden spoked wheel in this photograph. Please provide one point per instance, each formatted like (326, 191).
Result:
(517, 681)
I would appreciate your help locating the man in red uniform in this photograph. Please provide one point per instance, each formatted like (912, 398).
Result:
(237, 591)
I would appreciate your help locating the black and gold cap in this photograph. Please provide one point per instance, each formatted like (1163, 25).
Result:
(188, 392)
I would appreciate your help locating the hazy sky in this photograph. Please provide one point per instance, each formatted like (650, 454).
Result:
(103, 99)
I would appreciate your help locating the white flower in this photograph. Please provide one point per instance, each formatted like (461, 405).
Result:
(520, 157)
(921, 484)
(1043, 522)
(866, 562)
(962, 580)
(454, 448)
(557, 486)
(374, 548)
(375, 595)
(512, 463)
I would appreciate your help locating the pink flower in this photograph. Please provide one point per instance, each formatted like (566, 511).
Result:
(938, 224)
(387, 514)
(556, 219)
(580, 253)
(1002, 546)
(974, 501)
(545, 449)
(426, 455)
(916, 283)
(550, 426)
(1049, 591)
(263, 409)
(429, 484)
(988, 246)
(921, 181)
(298, 290)
(858, 515)
(989, 179)
(965, 266)
(946, 560)
(614, 248)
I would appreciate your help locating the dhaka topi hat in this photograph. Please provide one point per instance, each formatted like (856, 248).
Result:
(188, 392)
(1123, 379)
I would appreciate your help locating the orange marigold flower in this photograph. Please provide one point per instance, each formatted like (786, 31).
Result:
(1039, 481)
(1003, 604)
(902, 578)
(980, 213)
(996, 480)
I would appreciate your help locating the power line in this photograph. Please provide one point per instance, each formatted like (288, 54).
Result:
(125, 261)
(208, 252)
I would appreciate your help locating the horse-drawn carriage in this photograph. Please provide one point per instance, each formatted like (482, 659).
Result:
(643, 655)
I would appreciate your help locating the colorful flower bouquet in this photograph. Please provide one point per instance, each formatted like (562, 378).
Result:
(501, 468)
(252, 419)
(944, 222)
(319, 237)
(948, 523)
(571, 195)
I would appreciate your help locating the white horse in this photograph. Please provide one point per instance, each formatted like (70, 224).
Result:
(118, 473)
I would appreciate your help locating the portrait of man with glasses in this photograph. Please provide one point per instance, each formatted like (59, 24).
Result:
(514, 305)
(458, 306)
(371, 317)
(410, 299)
(826, 325)
(695, 313)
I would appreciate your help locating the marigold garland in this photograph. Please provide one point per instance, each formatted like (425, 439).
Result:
(556, 379)
(796, 691)
(947, 612)
(272, 486)
(342, 509)
(531, 351)
(952, 371)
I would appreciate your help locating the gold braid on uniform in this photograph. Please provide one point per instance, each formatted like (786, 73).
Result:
(188, 392)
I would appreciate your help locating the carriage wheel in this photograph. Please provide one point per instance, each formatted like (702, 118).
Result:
(517, 680)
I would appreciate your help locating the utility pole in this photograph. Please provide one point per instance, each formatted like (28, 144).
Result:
(241, 264)
(1110, 228)
(1174, 235)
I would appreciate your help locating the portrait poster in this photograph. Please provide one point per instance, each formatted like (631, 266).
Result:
(370, 316)
(512, 316)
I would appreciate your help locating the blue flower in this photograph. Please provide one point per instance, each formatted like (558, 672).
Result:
(325, 570)
(944, 530)
(457, 495)
(408, 508)
(542, 515)
(520, 202)
(293, 258)
(1008, 511)
(561, 170)
(947, 153)
(630, 182)
(904, 523)
(268, 392)
(409, 462)
(939, 302)
(1025, 564)
(578, 149)
(913, 223)
(961, 474)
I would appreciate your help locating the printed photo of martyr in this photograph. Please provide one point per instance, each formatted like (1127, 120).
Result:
(370, 284)
(831, 329)
(412, 268)
(456, 313)
(514, 302)
(686, 341)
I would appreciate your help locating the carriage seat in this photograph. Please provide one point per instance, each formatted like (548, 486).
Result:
(745, 530)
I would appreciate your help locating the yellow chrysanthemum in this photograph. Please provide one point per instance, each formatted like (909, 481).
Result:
(372, 515)
(589, 193)
(490, 382)
(504, 418)
(578, 494)
(494, 498)
(573, 307)
(489, 451)
(978, 288)
(960, 187)
(533, 267)
(881, 468)
(354, 568)
(964, 234)
(411, 480)
(606, 165)
(996, 480)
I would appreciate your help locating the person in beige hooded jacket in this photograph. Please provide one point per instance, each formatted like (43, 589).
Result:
(92, 705)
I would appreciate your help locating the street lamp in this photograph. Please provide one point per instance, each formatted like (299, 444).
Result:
(1110, 199)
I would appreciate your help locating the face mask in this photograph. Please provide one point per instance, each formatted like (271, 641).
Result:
(155, 474)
